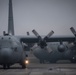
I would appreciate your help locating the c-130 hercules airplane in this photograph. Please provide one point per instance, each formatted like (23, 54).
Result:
(59, 48)
(12, 47)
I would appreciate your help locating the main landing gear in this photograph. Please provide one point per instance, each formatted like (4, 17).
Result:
(6, 66)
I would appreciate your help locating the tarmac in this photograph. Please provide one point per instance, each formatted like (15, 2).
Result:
(40, 69)
(35, 68)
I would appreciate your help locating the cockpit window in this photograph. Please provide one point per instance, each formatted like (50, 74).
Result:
(8, 42)
(5, 43)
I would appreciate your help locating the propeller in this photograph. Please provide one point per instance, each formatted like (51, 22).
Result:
(37, 35)
(42, 41)
(74, 32)
(49, 34)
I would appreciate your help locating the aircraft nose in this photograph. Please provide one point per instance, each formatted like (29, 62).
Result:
(6, 54)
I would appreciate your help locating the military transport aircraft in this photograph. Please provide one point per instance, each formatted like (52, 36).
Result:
(59, 48)
(12, 47)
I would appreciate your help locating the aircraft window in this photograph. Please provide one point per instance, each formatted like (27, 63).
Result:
(8, 43)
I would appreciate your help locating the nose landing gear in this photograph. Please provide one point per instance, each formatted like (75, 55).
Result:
(6, 66)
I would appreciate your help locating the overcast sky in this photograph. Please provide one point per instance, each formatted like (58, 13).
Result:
(42, 15)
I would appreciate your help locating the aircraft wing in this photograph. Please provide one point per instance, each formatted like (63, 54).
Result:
(28, 39)
(51, 39)
(63, 39)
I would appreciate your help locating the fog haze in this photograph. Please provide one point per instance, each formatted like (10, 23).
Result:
(42, 15)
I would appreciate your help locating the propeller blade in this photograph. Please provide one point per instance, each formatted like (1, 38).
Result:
(73, 31)
(50, 34)
(42, 41)
(36, 34)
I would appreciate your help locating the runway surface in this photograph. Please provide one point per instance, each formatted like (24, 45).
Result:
(35, 68)
(40, 69)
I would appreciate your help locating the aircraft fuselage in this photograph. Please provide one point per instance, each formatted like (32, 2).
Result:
(11, 50)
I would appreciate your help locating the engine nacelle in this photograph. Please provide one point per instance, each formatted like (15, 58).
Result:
(61, 48)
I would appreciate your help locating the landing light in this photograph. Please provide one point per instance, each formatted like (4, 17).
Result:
(26, 61)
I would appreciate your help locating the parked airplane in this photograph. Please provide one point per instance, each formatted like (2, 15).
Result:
(59, 48)
(11, 48)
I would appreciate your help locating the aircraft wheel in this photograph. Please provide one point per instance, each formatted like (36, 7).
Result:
(52, 61)
(73, 61)
(23, 66)
(41, 61)
(4, 66)
(8, 66)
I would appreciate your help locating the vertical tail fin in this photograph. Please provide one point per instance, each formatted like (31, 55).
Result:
(10, 19)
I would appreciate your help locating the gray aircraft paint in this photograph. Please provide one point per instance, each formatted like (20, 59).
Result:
(10, 19)
(11, 48)
(57, 49)
(20, 47)
(42, 15)
(53, 54)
